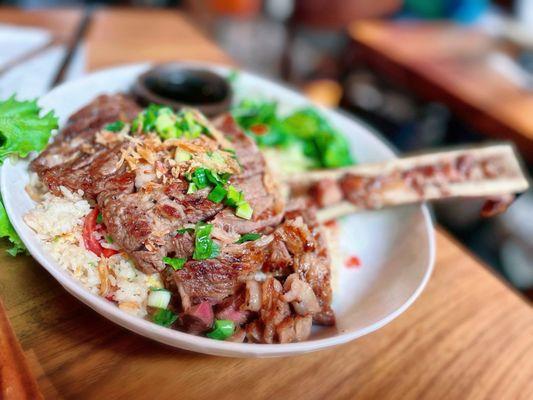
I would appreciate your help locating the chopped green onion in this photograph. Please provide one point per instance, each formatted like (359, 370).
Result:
(204, 246)
(192, 188)
(164, 317)
(248, 237)
(184, 230)
(217, 194)
(155, 289)
(109, 239)
(114, 126)
(199, 178)
(99, 218)
(165, 124)
(175, 263)
(216, 178)
(244, 210)
(149, 117)
(233, 197)
(182, 156)
(222, 330)
(158, 298)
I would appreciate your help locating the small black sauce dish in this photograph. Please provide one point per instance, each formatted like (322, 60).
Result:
(178, 86)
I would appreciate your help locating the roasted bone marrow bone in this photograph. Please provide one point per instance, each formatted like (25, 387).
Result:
(490, 172)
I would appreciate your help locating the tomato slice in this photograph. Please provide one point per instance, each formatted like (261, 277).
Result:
(90, 242)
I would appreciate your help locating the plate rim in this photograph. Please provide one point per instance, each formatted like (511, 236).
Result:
(200, 344)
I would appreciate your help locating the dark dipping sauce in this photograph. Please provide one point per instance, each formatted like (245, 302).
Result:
(188, 86)
(177, 86)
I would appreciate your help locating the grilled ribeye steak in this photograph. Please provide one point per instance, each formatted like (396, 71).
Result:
(148, 208)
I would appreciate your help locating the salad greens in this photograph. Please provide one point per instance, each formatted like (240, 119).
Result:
(22, 130)
(7, 231)
(305, 130)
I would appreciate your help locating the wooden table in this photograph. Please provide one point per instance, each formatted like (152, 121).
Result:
(469, 336)
(448, 63)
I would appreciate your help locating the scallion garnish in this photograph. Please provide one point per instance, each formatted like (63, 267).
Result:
(192, 188)
(222, 330)
(158, 298)
(109, 239)
(182, 156)
(199, 178)
(175, 263)
(114, 126)
(217, 194)
(233, 197)
(248, 237)
(164, 317)
(99, 218)
(204, 246)
(184, 230)
(244, 210)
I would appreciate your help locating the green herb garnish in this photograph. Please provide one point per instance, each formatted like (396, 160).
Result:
(109, 239)
(217, 194)
(199, 178)
(168, 124)
(192, 188)
(222, 329)
(164, 317)
(233, 196)
(175, 263)
(248, 237)
(116, 126)
(99, 218)
(204, 246)
(184, 230)
(244, 210)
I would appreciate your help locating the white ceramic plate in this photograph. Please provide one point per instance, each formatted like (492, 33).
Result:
(396, 246)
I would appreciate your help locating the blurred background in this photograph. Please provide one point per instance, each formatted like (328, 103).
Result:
(424, 74)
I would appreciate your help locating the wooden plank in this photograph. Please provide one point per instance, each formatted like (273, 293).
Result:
(469, 336)
(16, 380)
(119, 36)
(447, 63)
(61, 23)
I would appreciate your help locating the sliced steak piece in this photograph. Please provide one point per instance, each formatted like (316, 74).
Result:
(305, 241)
(198, 318)
(76, 161)
(232, 309)
(91, 172)
(80, 128)
(145, 224)
(221, 277)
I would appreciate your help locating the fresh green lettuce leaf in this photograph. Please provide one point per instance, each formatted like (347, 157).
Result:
(22, 129)
(7, 231)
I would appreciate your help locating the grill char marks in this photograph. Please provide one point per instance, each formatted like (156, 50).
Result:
(76, 161)
(143, 208)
